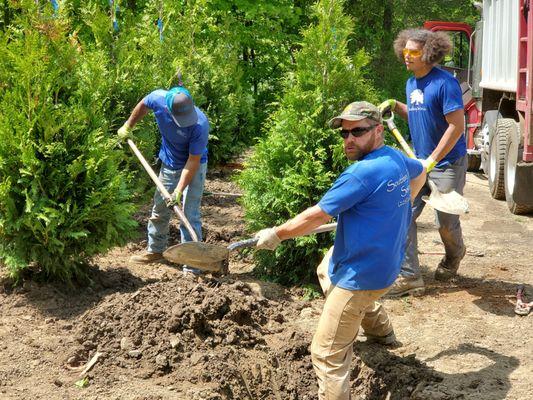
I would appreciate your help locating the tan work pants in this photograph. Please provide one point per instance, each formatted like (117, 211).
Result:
(344, 312)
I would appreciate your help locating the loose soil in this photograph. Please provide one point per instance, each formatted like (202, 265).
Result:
(163, 335)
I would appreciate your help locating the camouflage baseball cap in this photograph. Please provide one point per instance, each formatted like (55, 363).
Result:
(357, 111)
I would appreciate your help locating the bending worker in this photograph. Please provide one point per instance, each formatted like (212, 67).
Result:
(435, 114)
(372, 202)
(184, 130)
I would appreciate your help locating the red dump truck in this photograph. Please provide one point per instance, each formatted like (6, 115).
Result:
(494, 65)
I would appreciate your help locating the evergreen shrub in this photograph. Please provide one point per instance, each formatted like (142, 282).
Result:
(300, 157)
(63, 195)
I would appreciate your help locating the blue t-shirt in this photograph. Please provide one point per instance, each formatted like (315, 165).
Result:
(372, 199)
(429, 100)
(177, 143)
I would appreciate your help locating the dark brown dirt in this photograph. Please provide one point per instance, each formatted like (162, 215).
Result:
(163, 335)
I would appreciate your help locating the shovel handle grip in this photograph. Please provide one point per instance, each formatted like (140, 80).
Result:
(242, 244)
(162, 189)
(252, 242)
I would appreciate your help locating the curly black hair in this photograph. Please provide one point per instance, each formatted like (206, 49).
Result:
(435, 45)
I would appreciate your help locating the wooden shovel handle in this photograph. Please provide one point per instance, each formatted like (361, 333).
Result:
(164, 192)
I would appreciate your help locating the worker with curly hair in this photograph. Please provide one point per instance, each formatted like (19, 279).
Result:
(434, 111)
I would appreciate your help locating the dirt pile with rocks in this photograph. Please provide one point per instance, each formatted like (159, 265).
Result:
(222, 336)
(166, 336)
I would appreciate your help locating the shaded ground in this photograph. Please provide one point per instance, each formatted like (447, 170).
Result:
(166, 336)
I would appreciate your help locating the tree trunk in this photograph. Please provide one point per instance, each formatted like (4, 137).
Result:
(254, 79)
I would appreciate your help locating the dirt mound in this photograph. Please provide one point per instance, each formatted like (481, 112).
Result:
(221, 336)
(379, 374)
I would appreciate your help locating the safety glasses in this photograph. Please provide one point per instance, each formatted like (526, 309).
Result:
(356, 132)
(412, 53)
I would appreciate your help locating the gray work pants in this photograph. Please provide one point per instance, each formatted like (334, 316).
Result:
(448, 178)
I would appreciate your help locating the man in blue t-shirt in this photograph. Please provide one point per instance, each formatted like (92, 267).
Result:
(435, 114)
(184, 130)
(372, 202)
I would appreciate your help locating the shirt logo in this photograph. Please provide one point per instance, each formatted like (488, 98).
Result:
(403, 184)
(417, 97)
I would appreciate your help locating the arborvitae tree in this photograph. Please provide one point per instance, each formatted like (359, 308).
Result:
(232, 55)
(63, 195)
(300, 157)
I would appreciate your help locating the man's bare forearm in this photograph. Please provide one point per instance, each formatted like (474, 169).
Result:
(303, 223)
(401, 109)
(137, 114)
(188, 172)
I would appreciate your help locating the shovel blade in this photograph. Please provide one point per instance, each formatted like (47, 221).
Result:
(451, 203)
(204, 256)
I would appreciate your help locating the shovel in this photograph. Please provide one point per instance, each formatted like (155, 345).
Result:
(213, 258)
(164, 192)
(451, 202)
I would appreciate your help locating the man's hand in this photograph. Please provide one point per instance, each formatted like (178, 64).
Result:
(124, 132)
(267, 239)
(387, 107)
(428, 163)
(176, 198)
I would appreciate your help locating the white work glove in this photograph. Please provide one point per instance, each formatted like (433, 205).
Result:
(267, 239)
(428, 163)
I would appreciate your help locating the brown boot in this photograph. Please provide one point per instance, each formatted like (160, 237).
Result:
(387, 340)
(146, 258)
(404, 286)
(447, 268)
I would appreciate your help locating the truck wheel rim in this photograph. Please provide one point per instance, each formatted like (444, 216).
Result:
(510, 178)
(510, 168)
(492, 167)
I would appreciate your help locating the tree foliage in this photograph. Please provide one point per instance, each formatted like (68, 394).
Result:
(63, 197)
(278, 69)
(300, 156)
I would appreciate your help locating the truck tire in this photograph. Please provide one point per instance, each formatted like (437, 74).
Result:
(497, 150)
(474, 162)
(512, 155)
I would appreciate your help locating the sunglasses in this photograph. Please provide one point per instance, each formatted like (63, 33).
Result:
(412, 53)
(356, 132)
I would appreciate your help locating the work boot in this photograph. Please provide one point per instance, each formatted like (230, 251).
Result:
(447, 268)
(386, 340)
(146, 258)
(404, 286)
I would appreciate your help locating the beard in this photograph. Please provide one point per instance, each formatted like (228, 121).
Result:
(355, 153)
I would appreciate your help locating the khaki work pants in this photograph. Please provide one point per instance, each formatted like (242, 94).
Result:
(344, 312)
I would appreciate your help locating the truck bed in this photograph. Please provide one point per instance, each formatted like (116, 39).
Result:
(500, 45)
